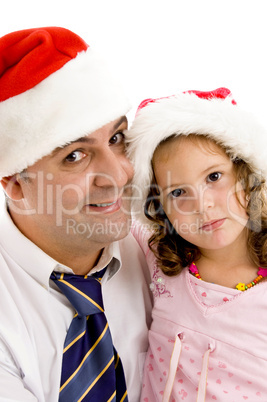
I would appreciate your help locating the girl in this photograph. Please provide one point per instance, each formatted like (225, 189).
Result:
(200, 169)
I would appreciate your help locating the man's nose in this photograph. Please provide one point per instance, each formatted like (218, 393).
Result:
(114, 170)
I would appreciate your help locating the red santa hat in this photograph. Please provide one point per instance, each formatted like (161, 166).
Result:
(53, 89)
(214, 114)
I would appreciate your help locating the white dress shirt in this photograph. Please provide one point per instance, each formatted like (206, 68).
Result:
(35, 315)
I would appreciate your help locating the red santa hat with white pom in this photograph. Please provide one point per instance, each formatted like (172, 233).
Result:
(54, 89)
(214, 114)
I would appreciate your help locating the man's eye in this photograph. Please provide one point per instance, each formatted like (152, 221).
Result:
(177, 193)
(75, 156)
(117, 138)
(214, 176)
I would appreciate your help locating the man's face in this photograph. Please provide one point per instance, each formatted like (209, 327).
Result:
(80, 194)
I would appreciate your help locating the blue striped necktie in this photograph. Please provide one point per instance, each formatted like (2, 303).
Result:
(91, 368)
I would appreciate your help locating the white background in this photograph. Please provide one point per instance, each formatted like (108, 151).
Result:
(160, 47)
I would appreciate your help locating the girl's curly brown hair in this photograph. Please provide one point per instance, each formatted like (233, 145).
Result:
(173, 253)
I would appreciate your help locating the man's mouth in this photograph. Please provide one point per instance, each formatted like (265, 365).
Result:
(105, 207)
(107, 204)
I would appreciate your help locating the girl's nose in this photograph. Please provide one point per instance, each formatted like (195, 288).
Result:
(204, 200)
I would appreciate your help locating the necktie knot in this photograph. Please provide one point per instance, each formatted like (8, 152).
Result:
(83, 292)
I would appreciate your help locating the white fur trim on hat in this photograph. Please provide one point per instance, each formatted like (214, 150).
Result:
(186, 114)
(74, 101)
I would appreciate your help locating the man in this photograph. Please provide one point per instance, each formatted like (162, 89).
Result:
(67, 183)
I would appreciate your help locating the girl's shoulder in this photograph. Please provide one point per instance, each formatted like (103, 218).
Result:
(141, 234)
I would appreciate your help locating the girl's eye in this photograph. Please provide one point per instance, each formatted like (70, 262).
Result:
(117, 138)
(75, 156)
(177, 193)
(214, 177)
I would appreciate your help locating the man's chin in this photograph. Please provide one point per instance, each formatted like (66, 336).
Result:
(100, 229)
(119, 229)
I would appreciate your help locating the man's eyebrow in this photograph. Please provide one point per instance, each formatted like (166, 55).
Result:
(88, 139)
(123, 119)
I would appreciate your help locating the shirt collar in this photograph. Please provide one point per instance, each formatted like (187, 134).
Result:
(110, 257)
(40, 265)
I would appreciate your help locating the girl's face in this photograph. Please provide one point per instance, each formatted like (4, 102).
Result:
(198, 192)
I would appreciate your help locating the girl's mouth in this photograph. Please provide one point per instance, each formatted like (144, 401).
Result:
(212, 225)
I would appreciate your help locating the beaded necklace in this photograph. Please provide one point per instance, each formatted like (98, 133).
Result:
(262, 272)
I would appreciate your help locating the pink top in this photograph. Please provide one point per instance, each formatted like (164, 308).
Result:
(207, 342)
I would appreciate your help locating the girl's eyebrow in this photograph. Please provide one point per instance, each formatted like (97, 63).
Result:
(171, 185)
(216, 166)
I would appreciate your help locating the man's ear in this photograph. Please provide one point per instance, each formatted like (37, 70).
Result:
(12, 187)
